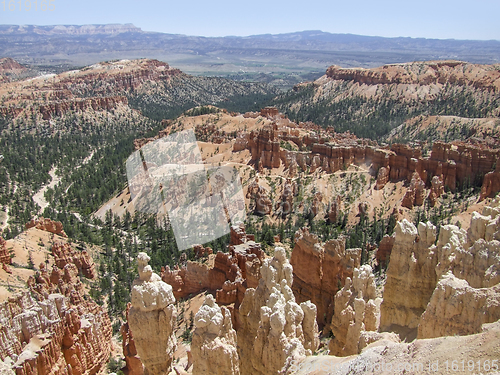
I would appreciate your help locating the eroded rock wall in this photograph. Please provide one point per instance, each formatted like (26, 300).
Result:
(357, 310)
(447, 288)
(320, 270)
(411, 276)
(214, 341)
(275, 329)
(53, 328)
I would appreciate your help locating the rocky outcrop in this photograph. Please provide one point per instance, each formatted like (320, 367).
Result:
(437, 188)
(47, 225)
(383, 175)
(59, 108)
(133, 363)
(260, 196)
(317, 205)
(415, 194)
(447, 288)
(55, 328)
(65, 254)
(320, 270)
(411, 276)
(335, 209)
(273, 333)
(357, 310)
(491, 183)
(456, 164)
(265, 147)
(214, 341)
(428, 356)
(231, 274)
(289, 192)
(4, 253)
(456, 308)
(384, 250)
(152, 318)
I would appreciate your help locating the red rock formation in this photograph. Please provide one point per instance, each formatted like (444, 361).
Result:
(437, 188)
(64, 254)
(257, 193)
(269, 112)
(4, 253)
(57, 332)
(201, 251)
(265, 147)
(133, 362)
(335, 209)
(232, 273)
(316, 203)
(384, 250)
(415, 194)
(491, 183)
(320, 270)
(382, 177)
(47, 225)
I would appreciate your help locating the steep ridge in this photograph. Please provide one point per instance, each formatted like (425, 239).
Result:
(371, 102)
(151, 86)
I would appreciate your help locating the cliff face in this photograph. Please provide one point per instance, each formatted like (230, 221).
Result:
(456, 308)
(411, 276)
(4, 253)
(133, 362)
(275, 331)
(320, 270)
(447, 288)
(449, 165)
(214, 341)
(423, 73)
(151, 319)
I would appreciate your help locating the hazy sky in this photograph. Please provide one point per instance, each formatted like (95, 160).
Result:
(442, 19)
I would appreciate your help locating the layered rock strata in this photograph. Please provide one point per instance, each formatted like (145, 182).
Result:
(214, 341)
(275, 331)
(320, 270)
(151, 319)
(454, 163)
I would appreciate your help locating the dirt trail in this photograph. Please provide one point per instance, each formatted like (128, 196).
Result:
(39, 197)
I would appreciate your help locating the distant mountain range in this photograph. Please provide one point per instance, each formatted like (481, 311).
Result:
(290, 57)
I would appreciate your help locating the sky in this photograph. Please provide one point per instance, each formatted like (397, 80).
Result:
(442, 19)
